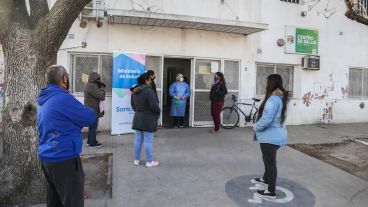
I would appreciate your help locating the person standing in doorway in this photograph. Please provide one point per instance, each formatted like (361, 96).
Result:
(60, 119)
(93, 95)
(217, 97)
(152, 77)
(179, 91)
(271, 132)
(146, 114)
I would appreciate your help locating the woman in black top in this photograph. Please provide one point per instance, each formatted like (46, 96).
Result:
(217, 97)
(147, 112)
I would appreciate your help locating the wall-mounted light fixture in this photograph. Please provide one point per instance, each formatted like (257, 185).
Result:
(280, 42)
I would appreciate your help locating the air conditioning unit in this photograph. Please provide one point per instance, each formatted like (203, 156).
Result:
(94, 9)
(311, 62)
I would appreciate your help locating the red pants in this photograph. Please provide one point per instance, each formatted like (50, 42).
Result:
(216, 108)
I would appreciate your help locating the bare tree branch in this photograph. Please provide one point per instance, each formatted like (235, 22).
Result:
(53, 29)
(39, 9)
(19, 13)
(5, 15)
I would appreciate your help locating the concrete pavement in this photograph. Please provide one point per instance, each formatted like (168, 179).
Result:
(198, 168)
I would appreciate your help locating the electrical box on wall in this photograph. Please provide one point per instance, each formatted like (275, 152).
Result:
(311, 62)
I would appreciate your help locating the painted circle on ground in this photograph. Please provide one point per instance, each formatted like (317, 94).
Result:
(242, 191)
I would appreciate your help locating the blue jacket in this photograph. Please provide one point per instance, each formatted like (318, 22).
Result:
(268, 128)
(60, 118)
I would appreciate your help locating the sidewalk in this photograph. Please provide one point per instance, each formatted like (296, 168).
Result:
(202, 169)
(198, 167)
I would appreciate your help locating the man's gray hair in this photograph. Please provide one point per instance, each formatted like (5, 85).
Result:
(55, 73)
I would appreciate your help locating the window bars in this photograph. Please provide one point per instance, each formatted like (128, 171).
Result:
(360, 7)
(291, 1)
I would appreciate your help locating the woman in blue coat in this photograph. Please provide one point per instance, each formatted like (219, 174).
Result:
(179, 92)
(271, 132)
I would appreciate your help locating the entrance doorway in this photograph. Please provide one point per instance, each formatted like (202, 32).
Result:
(172, 67)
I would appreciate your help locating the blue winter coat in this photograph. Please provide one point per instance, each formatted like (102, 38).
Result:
(60, 118)
(179, 89)
(268, 128)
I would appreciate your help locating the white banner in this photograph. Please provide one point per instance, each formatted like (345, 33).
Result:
(125, 71)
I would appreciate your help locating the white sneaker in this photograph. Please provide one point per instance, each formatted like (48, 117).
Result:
(152, 164)
(136, 162)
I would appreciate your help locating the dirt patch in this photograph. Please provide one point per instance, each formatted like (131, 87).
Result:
(349, 155)
(97, 169)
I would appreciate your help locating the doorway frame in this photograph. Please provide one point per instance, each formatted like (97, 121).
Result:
(193, 60)
(191, 106)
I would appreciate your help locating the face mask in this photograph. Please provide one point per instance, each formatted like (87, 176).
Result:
(67, 83)
(181, 79)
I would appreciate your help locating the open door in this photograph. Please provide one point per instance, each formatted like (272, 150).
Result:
(172, 67)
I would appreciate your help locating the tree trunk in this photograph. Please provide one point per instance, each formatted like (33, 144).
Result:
(21, 182)
(30, 44)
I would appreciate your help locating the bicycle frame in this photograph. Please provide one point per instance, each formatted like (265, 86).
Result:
(253, 106)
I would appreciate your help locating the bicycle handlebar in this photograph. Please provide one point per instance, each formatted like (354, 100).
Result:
(234, 98)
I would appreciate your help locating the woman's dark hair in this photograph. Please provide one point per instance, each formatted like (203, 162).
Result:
(150, 72)
(221, 76)
(274, 81)
(141, 80)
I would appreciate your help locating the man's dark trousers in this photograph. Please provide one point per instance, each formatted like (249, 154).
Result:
(65, 183)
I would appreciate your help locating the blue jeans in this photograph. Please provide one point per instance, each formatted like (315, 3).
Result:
(147, 138)
(92, 131)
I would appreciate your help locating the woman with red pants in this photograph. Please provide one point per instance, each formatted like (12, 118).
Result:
(217, 97)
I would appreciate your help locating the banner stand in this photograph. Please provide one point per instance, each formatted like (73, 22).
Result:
(127, 67)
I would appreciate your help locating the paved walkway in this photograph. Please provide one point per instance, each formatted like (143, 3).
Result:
(202, 169)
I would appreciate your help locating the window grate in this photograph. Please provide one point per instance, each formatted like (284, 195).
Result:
(264, 70)
(360, 7)
(291, 1)
(358, 83)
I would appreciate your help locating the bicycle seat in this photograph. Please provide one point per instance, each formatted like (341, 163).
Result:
(256, 99)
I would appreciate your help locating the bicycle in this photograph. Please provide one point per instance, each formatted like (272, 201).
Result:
(230, 114)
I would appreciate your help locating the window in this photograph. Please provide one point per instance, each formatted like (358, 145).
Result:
(291, 1)
(84, 64)
(264, 70)
(358, 82)
(361, 7)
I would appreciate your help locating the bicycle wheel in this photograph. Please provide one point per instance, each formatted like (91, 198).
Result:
(230, 118)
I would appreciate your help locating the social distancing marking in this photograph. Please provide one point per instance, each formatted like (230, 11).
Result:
(243, 192)
(257, 198)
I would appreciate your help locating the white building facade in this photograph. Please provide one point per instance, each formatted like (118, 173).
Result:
(245, 39)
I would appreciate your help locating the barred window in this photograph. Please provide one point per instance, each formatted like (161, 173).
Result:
(361, 7)
(291, 1)
(358, 82)
(84, 64)
(264, 70)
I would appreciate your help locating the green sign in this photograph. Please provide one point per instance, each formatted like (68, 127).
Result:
(300, 40)
(306, 41)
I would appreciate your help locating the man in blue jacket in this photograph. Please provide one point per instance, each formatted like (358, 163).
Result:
(60, 118)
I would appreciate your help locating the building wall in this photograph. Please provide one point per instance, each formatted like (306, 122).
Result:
(230, 9)
(342, 44)
(157, 41)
